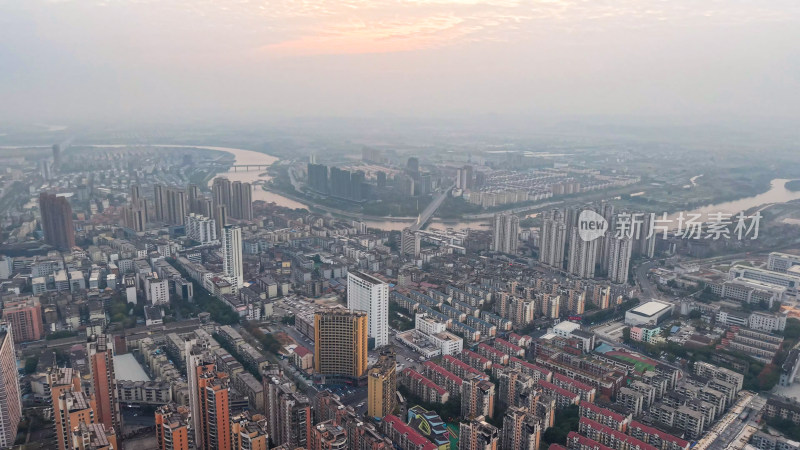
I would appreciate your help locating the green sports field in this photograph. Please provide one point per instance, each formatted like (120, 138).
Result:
(453, 435)
(640, 366)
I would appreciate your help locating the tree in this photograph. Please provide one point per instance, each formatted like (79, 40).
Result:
(792, 330)
(566, 420)
(626, 334)
(31, 364)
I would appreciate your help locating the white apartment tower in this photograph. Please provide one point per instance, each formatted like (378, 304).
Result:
(232, 256)
(506, 233)
(410, 243)
(619, 257)
(371, 295)
(201, 229)
(582, 255)
(552, 239)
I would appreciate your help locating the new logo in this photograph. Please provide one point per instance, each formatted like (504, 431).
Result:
(591, 225)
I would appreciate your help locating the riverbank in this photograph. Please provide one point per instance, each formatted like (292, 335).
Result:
(778, 193)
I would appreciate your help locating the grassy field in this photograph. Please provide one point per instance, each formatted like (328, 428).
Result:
(641, 366)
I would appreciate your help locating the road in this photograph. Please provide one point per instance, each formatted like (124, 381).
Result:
(646, 286)
(726, 431)
(430, 210)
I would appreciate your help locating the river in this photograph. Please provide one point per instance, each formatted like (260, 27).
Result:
(243, 156)
(776, 194)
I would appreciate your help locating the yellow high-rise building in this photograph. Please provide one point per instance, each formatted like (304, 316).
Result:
(382, 385)
(340, 343)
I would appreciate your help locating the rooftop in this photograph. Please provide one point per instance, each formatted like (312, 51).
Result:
(650, 309)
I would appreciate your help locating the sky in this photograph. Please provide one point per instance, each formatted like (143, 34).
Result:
(67, 61)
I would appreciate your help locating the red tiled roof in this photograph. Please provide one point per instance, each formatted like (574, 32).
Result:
(413, 435)
(424, 380)
(603, 411)
(531, 366)
(618, 435)
(507, 344)
(491, 350)
(661, 435)
(442, 371)
(470, 354)
(558, 390)
(301, 351)
(517, 337)
(572, 382)
(584, 441)
(462, 364)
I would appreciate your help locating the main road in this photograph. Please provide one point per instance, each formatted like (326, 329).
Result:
(430, 209)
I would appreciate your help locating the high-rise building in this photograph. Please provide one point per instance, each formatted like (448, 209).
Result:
(209, 403)
(582, 255)
(71, 406)
(506, 233)
(100, 351)
(340, 338)
(371, 295)
(287, 412)
(172, 427)
(192, 193)
(249, 432)
(412, 166)
(220, 218)
(382, 385)
(10, 398)
(236, 197)
(201, 229)
(521, 430)
(232, 256)
(410, 243)
(241, 201)
(57, 223)
(552, 239)
(339, 182)
(135, 212)
(607, 211)
(176, 206)
(464, 179)
(197, 363)
(357, 182)
(318, 177)
(477, 434)
(646, 245)
(221, 192)
(215, 407)
(619, 257)
(25, 317)
(477, 397)
(160, 202)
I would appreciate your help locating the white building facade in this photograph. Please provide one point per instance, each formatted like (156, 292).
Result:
(371, 295)
(232, 256)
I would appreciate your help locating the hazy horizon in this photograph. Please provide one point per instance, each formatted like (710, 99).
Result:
(182, 60)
